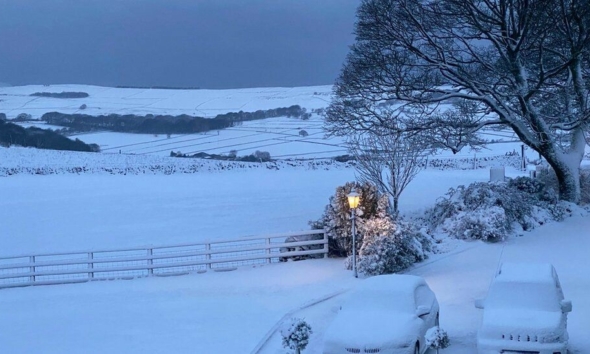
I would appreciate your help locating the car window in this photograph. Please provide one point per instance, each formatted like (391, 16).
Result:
(514, 295)
(558, 284)
(424, 296)
(379, 300)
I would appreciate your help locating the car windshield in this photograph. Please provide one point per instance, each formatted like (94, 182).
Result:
(381, 300)
(531, 296)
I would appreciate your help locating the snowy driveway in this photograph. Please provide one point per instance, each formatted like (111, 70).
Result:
(464, 275)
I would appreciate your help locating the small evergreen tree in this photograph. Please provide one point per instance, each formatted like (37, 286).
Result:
(437, 338)
(336, 219)
(296, 335)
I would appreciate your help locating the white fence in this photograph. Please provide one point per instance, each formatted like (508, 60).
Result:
(76, 267)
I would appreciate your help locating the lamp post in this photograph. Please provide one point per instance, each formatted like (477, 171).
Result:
(353, 203)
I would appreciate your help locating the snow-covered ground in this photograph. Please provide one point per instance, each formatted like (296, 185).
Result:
(65, 201)
(279, 136)
(205, 103)
(232, 312)
(73, 212)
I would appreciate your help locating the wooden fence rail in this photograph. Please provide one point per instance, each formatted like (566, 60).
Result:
(76, 267)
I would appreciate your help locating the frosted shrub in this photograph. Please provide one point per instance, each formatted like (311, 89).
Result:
(490, 212)
(336, 219)
(534, 187)
(296, 335)
(383, 246)
(262, 156)
(488, 224)
(390, 248)
(437, 338)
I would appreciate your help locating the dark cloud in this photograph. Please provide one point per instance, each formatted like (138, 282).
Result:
(205, 43)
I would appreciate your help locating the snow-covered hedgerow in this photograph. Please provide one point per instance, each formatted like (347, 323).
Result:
(19, 160)
(491, 211)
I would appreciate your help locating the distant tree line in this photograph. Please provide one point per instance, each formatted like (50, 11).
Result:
(163, 124)
(13, 134)
(60, 94)
(257, 156)
(159, 87)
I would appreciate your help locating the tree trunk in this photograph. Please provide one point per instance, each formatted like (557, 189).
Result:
(569, 183)
(567, 171)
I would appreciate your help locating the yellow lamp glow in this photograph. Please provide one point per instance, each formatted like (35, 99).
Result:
(353, 200)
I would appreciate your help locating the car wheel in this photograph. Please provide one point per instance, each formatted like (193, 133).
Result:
(417, 349)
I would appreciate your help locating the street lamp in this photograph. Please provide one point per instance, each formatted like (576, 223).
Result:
(353, 202)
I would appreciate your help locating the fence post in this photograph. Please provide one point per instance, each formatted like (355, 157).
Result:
(150, 261)
(90, 265)
(32, 268)
(326, 249)
(208, 248)
(267, 241)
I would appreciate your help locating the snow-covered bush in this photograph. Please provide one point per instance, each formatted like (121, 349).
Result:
(535, 187)
(336, 218)
(488, 224)
(390, 248)
(491, 211)
(384, 245)
(296, 334)
(437, 338)
(262, 155)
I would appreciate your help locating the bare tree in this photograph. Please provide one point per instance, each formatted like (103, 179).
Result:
(453, 67)
(389, 161)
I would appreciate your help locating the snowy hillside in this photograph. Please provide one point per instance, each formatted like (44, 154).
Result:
(205, 103)
(282, 137)
(132, 195)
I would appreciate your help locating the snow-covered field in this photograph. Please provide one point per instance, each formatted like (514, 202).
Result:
(206, 103)
(71, 212)
(279, 136)
(65, 201)
(231, 312)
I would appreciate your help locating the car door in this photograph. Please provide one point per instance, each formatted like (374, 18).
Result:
(423, 296)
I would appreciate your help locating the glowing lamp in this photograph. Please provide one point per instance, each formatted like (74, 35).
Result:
(353, 200)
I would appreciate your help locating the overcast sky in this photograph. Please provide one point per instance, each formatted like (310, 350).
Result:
(196, 43)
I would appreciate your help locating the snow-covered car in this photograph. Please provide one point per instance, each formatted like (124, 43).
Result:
(524, 312)
(386, 314)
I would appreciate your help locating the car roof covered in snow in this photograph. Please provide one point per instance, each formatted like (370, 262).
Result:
(385, 293)
(526, 272)
(394, 283)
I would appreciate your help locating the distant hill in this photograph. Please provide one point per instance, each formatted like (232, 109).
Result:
(12, 134)
(143, 101)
